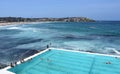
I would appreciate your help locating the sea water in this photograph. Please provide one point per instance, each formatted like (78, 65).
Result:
(18, 41)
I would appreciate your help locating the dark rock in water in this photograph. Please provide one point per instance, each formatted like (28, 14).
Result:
(2, 66)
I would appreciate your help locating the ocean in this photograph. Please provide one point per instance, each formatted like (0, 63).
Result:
(19, 41)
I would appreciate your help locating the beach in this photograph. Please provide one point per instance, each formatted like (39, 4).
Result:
(17, 23)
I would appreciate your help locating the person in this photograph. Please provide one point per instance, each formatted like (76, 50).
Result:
(60, 53)
(15, 63)
(117, 57)
(49, 49)
(21, 61)
(50, 44)
(47, 46)
(31, 59)
(48, 60)
(108, 62)
(41, 58)
(11, 65)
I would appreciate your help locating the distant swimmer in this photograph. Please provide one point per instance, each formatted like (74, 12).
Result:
(49, 49)
(117, 57)
(31, 59)
(60, 53)
(48, 60)
(108, 62)
(41, 58)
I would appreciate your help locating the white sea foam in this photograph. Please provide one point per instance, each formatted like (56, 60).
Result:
(92, 27)
(21, 28)
(13, 28)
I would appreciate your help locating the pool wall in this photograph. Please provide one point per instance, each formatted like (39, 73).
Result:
(5, 70)
(85, 52)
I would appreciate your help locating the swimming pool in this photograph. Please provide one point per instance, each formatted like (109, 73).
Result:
(65, 62)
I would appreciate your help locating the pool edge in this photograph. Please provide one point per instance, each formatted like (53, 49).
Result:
(5, 70)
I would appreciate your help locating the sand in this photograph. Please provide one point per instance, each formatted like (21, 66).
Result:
(15, 23)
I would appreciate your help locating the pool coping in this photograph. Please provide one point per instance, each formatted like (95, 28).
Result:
(78, 51)
(5, 70)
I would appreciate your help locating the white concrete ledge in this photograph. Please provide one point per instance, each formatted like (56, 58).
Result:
(6, 72)
(85, 52)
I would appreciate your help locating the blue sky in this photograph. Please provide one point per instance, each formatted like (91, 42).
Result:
(95, 9)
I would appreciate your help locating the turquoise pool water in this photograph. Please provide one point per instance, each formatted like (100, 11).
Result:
(65, 62)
